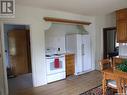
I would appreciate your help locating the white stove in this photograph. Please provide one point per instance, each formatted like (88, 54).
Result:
(55, 73)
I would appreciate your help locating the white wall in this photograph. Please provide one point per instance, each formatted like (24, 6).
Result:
(3, 77)
(55, 35)
(103, 21)
(2, 86)
(34, 18)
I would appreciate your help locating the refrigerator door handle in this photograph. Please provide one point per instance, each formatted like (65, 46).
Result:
(83, 52)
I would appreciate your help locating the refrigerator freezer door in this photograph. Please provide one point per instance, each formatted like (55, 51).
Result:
(79, 55)
(86, 53)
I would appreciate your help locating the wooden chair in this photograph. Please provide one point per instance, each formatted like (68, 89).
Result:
(124, 86)
(110, 81)
(116, 61)
(105, 64)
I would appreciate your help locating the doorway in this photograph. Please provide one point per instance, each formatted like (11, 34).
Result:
(18, 57)
(110, 45)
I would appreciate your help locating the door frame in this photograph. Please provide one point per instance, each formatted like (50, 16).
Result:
(105, 39)
(4, 55)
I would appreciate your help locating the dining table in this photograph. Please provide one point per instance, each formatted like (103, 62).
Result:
(113, 74)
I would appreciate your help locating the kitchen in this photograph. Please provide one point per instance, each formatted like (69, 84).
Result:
(30, 13)
(68, 51)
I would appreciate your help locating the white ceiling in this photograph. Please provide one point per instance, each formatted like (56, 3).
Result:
(84, 7)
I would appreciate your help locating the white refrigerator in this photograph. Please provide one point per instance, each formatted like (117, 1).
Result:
(80, 45)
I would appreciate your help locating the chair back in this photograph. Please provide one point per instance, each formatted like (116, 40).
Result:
(117, 61)
(105, 64)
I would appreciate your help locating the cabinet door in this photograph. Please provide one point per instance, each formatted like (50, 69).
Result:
(121, 14)
(121, 31)
(70, 69)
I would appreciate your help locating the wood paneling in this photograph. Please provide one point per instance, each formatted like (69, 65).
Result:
(70, 64)
(60, 20)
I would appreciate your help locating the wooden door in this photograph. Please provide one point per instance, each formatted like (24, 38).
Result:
(18, 51)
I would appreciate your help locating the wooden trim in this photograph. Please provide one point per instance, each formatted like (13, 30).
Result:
(109, 28)
(60, 20)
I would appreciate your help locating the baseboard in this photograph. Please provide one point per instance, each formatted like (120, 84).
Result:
(83, 72)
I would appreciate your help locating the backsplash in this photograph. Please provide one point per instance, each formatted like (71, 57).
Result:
(50, 51)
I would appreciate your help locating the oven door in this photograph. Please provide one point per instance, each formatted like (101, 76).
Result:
(51, 65)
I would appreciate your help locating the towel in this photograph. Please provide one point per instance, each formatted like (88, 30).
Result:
(56, 63)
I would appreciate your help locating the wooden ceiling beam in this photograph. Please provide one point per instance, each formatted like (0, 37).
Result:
(60, 20)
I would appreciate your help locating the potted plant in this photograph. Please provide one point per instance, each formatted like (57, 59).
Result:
(122, 66)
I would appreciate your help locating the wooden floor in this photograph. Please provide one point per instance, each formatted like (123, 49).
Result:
(70, 86)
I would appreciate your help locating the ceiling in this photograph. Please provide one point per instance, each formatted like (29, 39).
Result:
(84, 7)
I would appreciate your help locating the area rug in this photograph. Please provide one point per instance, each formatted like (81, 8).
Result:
(97, 91)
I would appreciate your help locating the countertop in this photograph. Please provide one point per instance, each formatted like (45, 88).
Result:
(120, 56)
(69, 53)
(58, 55)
